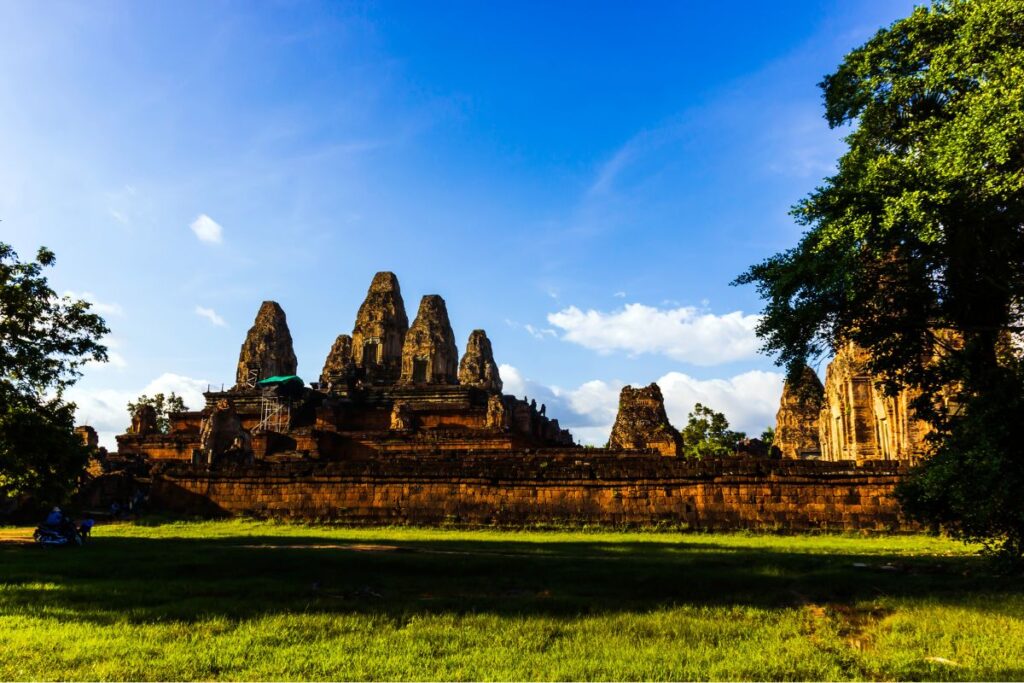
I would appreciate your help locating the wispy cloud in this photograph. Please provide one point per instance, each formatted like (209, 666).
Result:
(684, 333)
(211, 315)
(207, 229)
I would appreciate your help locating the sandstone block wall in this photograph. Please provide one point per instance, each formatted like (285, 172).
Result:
(563, 488)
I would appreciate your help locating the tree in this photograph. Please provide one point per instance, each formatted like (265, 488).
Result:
(914, 249)
(163, 405)
(768, 438)
(44, 341)
(707, 434)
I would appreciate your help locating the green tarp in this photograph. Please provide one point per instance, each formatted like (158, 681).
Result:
(279, 379)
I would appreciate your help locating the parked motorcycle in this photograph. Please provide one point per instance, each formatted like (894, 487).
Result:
(50, 536)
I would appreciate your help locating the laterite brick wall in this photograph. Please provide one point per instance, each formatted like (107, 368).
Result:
(568, 487)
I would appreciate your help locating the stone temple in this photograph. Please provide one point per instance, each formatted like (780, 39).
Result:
(399, 428)
(389, 387)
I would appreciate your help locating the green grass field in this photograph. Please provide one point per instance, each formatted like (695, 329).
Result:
(259, 600)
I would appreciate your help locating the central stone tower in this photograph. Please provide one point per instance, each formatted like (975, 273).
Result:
(429, 355)
(380, 329)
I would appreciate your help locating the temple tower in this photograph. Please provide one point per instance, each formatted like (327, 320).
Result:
(429, 355)
(478, 368)
(267, 350)
(380, 329)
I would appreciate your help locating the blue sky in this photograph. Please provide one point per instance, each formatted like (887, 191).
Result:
(582, 180)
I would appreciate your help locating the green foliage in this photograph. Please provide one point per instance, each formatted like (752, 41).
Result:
(168, 602)
(163, 405)
(972, 483)
(915, 248)
(44, 341)
(768, 437)
(707, 434)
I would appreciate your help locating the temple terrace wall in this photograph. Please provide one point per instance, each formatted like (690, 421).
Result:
(562, 488)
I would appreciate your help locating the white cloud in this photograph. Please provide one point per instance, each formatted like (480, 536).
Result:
(539, 333)
(211, 315)
(748, 400)
(683, 333)
(207, 229)
(97, 306)
(619, 295)
(114, 357)
(106, 410)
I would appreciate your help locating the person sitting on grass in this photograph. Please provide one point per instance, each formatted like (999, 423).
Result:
(54, 519)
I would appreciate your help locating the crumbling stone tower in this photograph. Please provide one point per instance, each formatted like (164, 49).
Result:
(478, 368)
(267, 350)
(642, 423)
(796, 423)
(380, 329)
(429, 355)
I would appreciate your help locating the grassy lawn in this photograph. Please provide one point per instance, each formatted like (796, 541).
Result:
(259, 600)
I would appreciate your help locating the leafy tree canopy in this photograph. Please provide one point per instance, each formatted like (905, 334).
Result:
(44, 341)
(707, 434)
(915, 248)
(163, 405)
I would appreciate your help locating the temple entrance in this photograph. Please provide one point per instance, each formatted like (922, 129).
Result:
(419, 370)
(370, 353)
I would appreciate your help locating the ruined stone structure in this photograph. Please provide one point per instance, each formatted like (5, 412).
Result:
(796, 423)
(858, 421)
(642, 424)
(387, 388)
(339, 363)
(379, 332)
(267, 349)
(429, 355)
(143, 421)
(478, 368)
(90, 439)
(398, 430)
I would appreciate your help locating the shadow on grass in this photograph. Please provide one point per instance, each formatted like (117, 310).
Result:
(147, 580)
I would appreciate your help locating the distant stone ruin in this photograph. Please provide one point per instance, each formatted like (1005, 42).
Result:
(796, 423)
(858, 421)
(642, 423)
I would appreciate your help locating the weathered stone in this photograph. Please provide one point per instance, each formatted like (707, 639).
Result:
(267, 350)
(497, 414)
(796, 423)
(478, 368)
(144, 421)
(402, 418)
(429, 355)
(642, 424)
(222, 432)
(338, 360)
(88, 436)
(380, 329)
(858, 421)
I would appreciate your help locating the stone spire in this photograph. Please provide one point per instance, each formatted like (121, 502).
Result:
(338, 358)
(478, 368)
(796, 423)
(380, 328)
(429, 355)
(643, 424)
(267, 349)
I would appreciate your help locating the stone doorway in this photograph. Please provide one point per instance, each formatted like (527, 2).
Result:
(419, 370)
(370, 353)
